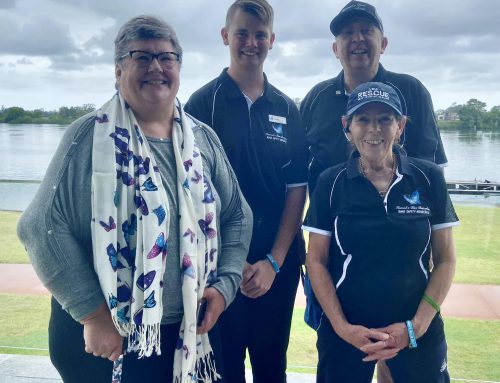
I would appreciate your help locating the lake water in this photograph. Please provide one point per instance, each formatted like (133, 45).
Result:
(26, 150)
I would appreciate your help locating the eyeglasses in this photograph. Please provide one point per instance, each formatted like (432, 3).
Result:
(143, 59)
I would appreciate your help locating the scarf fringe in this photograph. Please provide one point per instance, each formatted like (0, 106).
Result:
(144, 339)
(205, 371)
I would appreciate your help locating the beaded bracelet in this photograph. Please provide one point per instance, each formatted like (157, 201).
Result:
(273, 263)
(432, 302)
(411, 334)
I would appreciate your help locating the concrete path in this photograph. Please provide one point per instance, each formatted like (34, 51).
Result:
(463, 301)
(38, 369)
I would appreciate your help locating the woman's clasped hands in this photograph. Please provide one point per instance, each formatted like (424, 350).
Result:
(379, 344)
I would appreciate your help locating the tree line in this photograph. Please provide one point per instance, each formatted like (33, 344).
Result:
(472, 116)
(469, 116)
(64, 116)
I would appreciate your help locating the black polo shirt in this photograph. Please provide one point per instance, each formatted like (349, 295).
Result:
(380, 248)
(265, 143)
(323, 107)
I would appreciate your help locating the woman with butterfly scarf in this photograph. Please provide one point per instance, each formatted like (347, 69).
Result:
(374, 221)
(139, 220)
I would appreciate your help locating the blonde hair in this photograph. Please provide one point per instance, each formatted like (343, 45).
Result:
(258, 8)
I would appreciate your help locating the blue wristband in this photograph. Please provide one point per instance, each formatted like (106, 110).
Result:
(411, 334)
(275, 266)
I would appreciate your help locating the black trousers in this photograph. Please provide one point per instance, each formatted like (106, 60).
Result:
(340, 362)
(262, 326)
(67, 353)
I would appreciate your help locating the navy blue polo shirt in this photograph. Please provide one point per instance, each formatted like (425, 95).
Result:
(324, 105)
(265, 143)
(380, 248)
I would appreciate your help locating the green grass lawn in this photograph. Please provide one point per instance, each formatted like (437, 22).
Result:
(23, 324)
(11, 250)
(477, 244)
(473, 345)
(476, 240)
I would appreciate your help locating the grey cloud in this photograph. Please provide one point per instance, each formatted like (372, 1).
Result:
(446, 44)
(8, 4)
(38, 36)
(24, 61)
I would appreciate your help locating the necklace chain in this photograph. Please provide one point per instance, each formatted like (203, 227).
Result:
(382, 193)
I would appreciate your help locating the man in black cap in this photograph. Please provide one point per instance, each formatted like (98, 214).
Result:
(359, 42)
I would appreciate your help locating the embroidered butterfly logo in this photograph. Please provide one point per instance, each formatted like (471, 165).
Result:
(145, 280)
(413, 198)
(160, 213)
(205, 226)
(278, 128)
(160, 247)
(108, 226)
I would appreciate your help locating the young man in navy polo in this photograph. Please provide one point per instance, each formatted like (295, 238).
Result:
(260, 130)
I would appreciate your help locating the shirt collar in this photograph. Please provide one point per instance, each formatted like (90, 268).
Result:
(339, 80)
(233, 91)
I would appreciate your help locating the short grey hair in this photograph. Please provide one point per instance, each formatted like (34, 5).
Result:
(144, 27)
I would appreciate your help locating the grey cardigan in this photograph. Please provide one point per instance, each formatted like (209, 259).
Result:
(55, 228)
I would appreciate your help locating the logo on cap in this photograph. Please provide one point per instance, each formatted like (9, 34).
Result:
(373, 93)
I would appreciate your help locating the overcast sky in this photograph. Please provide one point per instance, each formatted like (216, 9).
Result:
(60, 52)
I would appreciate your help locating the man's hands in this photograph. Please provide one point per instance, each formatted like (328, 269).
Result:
(100, 335)
(215, 306)
(257, 278)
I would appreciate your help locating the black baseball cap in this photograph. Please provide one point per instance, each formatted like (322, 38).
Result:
(355, 9)
(373, 92)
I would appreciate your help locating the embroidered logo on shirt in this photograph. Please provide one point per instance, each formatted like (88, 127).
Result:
(278, 128)
(413, 198)
(414, 207)
(277, 134)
